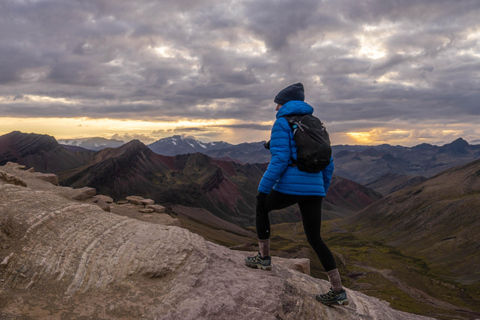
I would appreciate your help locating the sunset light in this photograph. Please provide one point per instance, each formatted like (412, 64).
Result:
(145, 131)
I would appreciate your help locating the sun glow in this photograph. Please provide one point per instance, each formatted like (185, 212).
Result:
(379, 136)
(360, 137)
(68, 128)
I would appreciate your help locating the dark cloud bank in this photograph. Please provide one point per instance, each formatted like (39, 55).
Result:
(362, 62)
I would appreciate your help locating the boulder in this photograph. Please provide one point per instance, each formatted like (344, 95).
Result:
(84, 193)
(135, 200)
(107, 199)
(146, 202)
(145, 210)
(102, 204)
(156, 208)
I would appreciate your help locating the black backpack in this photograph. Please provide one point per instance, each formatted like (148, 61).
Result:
(313, 143)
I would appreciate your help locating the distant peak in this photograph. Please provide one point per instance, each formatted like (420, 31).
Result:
(458, 146)
(135, 143)
(460, 141)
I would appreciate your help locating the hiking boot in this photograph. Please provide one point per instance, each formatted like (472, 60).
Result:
(259, 262)
(333, 297)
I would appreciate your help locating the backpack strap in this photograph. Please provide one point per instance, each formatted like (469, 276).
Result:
(294, 121)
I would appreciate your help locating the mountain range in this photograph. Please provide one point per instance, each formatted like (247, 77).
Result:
(253, 152)
(94, 144)
(362, 164)
(366, 164)
(225, 188)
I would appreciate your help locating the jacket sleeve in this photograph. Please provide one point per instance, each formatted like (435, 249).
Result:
(280, 150)
(327, 175)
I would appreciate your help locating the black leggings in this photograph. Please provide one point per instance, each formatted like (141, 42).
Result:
(311, 209)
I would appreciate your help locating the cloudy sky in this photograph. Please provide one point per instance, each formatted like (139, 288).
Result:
(376, 71)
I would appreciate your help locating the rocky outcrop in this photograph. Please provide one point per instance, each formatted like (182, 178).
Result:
(49, 177)
(70, 259)
(8, 178)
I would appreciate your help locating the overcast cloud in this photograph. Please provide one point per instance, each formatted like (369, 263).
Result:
(405, 68)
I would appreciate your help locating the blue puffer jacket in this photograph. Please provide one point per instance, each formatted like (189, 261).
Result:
(280, 175)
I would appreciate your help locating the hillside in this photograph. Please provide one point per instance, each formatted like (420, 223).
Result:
(62, 258)
(391, 183)
(437, 220)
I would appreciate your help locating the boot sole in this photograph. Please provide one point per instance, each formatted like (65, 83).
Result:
(268, 268)
(338, 303)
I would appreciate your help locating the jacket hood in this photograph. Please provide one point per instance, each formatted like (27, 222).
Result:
(294, 107)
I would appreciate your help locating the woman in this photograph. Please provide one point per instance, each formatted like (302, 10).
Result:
(283, 185)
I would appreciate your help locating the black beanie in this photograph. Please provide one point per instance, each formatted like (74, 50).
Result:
(292, 92)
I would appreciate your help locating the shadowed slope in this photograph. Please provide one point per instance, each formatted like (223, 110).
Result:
(437, 219)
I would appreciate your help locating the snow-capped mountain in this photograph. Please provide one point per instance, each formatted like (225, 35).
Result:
(177, 144)
(95, 143)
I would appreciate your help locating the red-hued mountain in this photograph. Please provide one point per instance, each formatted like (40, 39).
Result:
(42, 152)
(222, 187)
(350, 195)
(437, 220)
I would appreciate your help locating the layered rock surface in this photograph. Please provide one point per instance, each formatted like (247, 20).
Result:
(68, 259)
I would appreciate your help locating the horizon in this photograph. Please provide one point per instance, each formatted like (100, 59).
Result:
(202, 141)
(377, 72)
